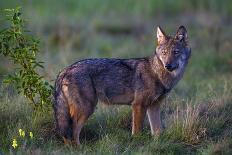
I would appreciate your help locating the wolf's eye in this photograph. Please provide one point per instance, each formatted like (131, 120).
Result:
(176, 51)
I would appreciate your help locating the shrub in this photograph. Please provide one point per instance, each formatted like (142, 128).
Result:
(21, 48)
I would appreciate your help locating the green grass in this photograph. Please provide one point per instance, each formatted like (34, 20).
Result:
(190, 126)
(196, 115)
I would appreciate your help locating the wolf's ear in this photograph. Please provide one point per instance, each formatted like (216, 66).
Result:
(161, 36)
(181, 34)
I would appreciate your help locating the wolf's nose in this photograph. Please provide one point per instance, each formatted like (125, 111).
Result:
(168, 67)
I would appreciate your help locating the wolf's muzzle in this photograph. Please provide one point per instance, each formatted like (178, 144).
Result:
(171, 67)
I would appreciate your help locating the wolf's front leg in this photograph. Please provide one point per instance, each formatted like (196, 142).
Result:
(138, 114)
(153, 113)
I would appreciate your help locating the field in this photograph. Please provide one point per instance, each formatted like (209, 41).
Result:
(197, 114)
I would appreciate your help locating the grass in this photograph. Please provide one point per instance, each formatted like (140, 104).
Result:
(193, 127)
(197, 113)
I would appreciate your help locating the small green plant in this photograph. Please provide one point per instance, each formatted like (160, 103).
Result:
(21, 48)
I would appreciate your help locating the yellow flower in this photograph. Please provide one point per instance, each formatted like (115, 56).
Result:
(14, 144)
(31, 135)
(21, 133)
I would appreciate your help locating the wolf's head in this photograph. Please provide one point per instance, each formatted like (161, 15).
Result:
(173, 52)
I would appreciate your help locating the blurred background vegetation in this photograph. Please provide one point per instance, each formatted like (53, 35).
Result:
(76, 29)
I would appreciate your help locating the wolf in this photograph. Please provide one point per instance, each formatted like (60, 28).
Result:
(141, 83)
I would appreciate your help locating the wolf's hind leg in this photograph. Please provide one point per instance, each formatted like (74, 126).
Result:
(82, 99)
(81, 116)
(138, 114)
(77, 126)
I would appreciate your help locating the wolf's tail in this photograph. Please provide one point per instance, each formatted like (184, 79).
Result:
(61, 109)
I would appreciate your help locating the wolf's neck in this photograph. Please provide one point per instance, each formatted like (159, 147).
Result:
(168, 79)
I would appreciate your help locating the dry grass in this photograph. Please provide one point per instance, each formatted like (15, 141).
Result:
(187, 121)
